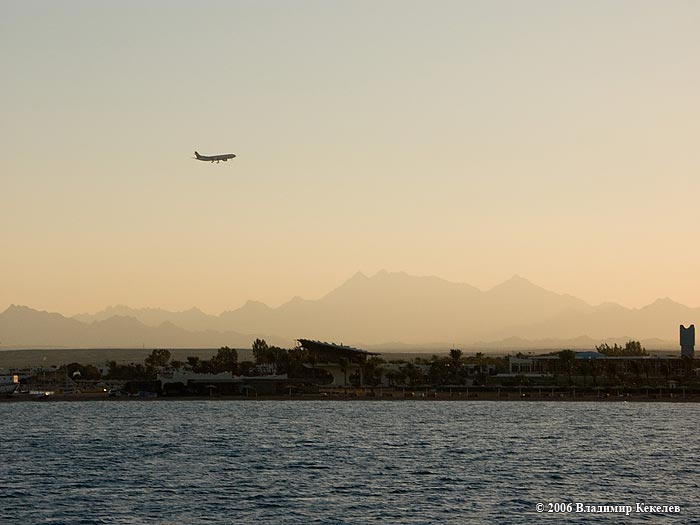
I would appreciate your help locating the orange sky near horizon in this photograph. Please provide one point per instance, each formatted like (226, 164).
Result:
(467, 140)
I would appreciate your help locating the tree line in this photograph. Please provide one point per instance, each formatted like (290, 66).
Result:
(298, 363)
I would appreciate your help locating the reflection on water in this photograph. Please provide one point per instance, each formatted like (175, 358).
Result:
(282, 462)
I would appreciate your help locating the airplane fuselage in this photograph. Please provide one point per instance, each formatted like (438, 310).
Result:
(214, 158)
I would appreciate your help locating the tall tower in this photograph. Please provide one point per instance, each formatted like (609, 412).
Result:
(688, 341)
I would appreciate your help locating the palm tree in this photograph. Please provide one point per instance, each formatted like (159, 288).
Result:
(568, 360)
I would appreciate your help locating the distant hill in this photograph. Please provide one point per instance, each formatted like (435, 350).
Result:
(403, 308)
(387, 310)
(193, 319)
(658, 320)
(21, 326)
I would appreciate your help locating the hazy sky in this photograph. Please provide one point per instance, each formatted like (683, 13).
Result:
(468, 140)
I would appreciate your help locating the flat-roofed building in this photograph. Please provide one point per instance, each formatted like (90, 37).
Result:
(552, 363)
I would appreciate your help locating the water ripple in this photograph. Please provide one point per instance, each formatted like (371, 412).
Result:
(280, 462)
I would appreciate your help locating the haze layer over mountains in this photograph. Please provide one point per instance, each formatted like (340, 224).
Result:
(387, 310)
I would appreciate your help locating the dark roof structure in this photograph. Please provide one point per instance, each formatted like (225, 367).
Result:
(333, 348)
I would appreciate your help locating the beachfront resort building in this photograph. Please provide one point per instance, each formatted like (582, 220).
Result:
(338, 360)
(552, 364)
(182, 381)
(595, 363)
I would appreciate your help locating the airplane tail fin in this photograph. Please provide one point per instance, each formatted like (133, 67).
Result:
(197, 154)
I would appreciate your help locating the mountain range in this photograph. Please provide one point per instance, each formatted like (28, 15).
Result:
(387, 310)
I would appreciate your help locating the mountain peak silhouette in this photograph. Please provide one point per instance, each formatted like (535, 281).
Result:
(386, 307)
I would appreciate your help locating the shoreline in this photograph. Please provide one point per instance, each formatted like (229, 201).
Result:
(349, 398)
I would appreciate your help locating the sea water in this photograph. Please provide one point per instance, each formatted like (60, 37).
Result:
(347, 462)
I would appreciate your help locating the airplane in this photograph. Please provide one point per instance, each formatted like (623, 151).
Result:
(214, 158)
